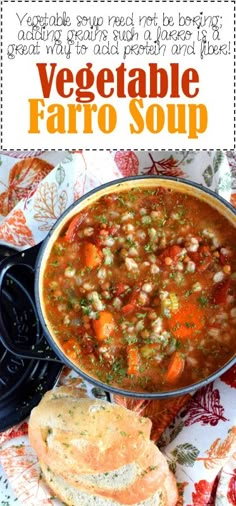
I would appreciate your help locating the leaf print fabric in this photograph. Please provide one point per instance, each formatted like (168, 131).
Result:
(231, 494)
(49, 204)
(15, 231)
(24, 178)
(229, 377)
(220, 450)
(204, 494)
(185, 454)
(205, 407)
(166, 166)
(127, 162)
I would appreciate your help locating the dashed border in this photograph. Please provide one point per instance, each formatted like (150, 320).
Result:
(113, 1)
(1, 74)
(119, 1)
(109, 150)
(234, 49)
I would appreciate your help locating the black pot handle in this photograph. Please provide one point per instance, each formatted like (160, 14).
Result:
(41, 350)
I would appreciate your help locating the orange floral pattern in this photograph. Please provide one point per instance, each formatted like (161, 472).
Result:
(15, 231)
(220, 450)
(24, 178)
(23, 469)
(49, 204)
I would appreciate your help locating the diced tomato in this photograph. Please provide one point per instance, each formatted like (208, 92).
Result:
(132, 303)
(128, 308)
(202, 258)
(87, 344)
(220, 292)
(172, 251)
(120, 288)
(75, 223)
(224, 259)
(112, 230)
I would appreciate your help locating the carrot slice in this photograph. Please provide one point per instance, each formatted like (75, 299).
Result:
(92, 255)
(175, 367)
(104, 326)
(186, 321)
(133, 360)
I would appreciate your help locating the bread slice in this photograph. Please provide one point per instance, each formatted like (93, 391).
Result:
(151, 471)
(65, 429)
(73, 496)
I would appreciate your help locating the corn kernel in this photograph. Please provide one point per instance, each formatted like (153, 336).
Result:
(227, 269)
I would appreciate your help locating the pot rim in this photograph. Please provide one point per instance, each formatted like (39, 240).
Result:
(112, 389)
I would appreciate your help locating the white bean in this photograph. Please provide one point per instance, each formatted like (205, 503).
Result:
(154, 269)
(163, 294)
(218, 276)
(157, 325)
(131, 264)
(128, 227)
(127, 216)
(133, 252)
(102, 273)
(191, 361)
(88, 231)
(117, 303)
(139, 326)
(152, 259)
(88, 286)
(233, 312)
(96, 302)
(143, 298)
(214, 332)
(191, 266)
(109, 241)
(69, 272)
(147, 287)
(141, 234)
(197, 287)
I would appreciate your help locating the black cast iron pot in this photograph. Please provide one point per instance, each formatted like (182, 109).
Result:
(36, 261)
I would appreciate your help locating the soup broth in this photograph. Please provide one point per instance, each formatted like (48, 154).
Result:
(139, 289)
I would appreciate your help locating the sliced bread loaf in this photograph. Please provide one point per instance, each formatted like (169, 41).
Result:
(100, 436)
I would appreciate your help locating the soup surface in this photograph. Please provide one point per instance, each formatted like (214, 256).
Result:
(139, 289)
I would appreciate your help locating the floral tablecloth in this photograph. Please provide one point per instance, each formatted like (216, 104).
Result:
(198, 433)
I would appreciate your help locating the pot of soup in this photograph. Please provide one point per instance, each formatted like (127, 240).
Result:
(135, 286)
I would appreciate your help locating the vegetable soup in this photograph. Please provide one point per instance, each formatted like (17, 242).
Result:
(139, 289)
